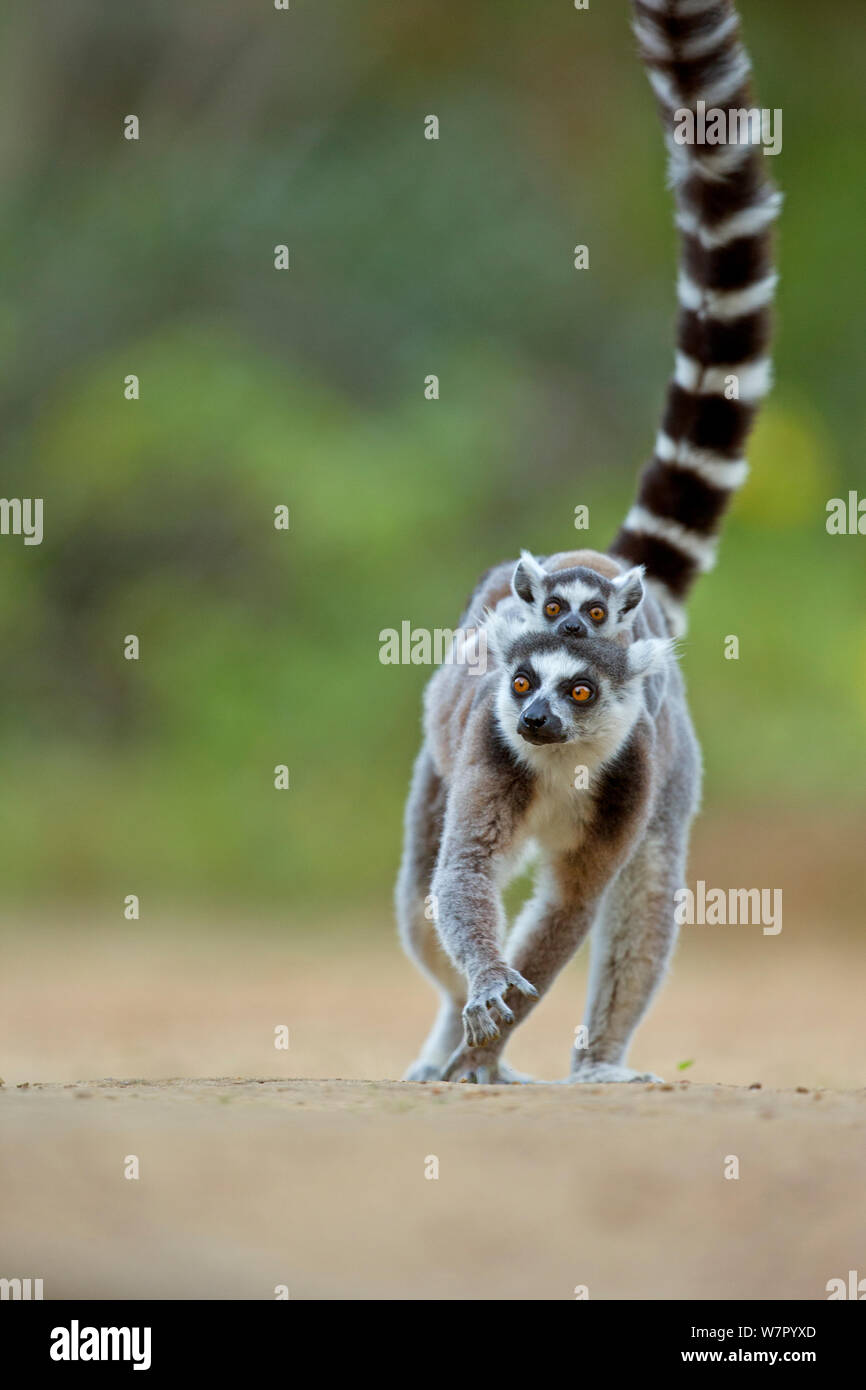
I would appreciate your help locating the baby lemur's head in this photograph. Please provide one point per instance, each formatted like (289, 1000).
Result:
(555, 690)
(578, 602)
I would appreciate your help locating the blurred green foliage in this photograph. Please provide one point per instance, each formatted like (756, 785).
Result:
(305, 388)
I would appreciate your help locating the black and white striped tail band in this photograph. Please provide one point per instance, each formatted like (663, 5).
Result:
(725, 211)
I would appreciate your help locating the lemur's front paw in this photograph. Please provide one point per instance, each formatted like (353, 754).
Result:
(588, 1072)
(486, 1004)
(482, 1067)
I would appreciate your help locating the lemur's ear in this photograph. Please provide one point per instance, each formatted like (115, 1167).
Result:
(527, 578)
(629, 594)
(500, 630)
(649, 655)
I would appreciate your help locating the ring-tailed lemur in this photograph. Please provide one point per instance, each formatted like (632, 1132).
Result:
(577, 742)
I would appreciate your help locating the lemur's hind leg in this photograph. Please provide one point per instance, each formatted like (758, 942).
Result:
(631, 946)
(415, 918)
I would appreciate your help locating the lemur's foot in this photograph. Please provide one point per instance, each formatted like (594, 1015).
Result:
(509, 1077)
(486, 1008)
(482, 1068)
(423, 1071)
(586, 1072)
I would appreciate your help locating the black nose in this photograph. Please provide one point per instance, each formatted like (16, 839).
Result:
(572, 626)
(538, 724)
(535, 716)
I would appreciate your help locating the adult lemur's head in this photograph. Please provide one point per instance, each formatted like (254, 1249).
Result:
(564, 691)
(578, 602)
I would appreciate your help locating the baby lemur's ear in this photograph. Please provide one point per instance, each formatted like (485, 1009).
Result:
(649, 655)
(528, 577)
(629, 592)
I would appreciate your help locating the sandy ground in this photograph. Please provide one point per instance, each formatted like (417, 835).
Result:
(320, 1185)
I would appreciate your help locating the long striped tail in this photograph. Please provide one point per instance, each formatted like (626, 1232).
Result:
(725, 207)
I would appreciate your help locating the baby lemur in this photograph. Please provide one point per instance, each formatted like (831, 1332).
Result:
(576, 745)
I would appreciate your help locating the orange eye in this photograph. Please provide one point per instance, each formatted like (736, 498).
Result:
(553, 608)
(597, 613)
(520, 685)
(581, 693)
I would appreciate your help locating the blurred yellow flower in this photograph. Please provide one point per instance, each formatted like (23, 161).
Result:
(792, 473)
